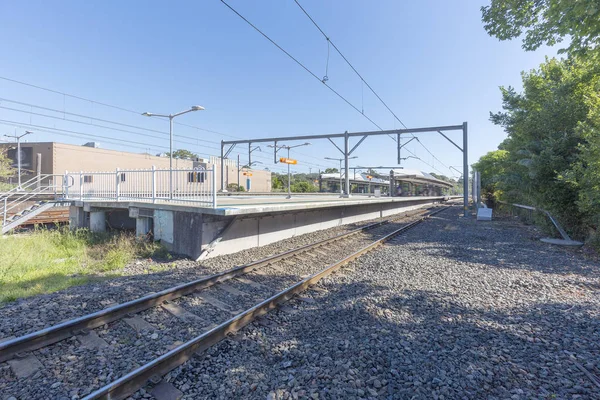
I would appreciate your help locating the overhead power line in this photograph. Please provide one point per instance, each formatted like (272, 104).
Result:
(329, 41)
(64, 112)
(301, 65)
(323, 81)
(195, 143)
(106, 104)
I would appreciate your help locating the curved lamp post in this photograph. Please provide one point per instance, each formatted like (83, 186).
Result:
(171, 117)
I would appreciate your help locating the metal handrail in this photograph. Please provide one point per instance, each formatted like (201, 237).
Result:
(149, 185)
(24, 185)
(60, 183)
(559, 228)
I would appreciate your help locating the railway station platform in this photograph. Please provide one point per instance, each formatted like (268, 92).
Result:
(239, 222)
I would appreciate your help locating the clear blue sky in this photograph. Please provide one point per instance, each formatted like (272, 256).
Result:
(430, 60)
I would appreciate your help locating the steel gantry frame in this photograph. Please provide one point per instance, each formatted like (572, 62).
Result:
(346, 152)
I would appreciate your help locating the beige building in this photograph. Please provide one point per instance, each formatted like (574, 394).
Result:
(58, 158)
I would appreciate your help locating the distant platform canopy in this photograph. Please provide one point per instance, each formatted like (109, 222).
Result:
(418, 177)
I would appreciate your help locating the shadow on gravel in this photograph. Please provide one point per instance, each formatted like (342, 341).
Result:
(358, 340)
(498, 244)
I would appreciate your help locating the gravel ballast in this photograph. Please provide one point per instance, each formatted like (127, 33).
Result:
(454, 308)
(137, 279)
(72, 369)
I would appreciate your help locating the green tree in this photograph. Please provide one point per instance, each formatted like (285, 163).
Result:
(277, 181)
(332, 171)
(184, 154)
(545, 22)
(553, 139)
(6, 170)
(234, 187)
(303, 187)
(492, 167)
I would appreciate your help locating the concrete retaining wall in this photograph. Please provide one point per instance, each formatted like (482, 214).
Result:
(199, 235)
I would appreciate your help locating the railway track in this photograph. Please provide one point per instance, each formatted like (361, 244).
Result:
(173, 324)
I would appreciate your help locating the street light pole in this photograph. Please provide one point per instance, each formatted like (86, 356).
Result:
(19, 154)
(289, 196)
(171, 117)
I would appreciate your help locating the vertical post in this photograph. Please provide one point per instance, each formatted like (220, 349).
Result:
(214, 186)
(118, 184)
(170, 157)
(346, 168)
(222, 168)
(80, 185)
(238, 170)
(4, 217)
(66, 185)
(153, 184)
(38, 169)
(289, 196)
(478, 188)
(398, 146)
(341, 183)
(19, 160)
(249, 156)
(465, 172)
(393, 191)
(320, 182)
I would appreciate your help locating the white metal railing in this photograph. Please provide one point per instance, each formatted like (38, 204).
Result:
(196, 185)
(14, 200)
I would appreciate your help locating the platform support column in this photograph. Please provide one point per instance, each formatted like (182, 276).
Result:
(143, 225)
(465, 172)
(76, 217)
(97, 221)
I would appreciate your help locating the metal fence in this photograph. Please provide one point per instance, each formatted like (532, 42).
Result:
(196, 185)
(39, 187)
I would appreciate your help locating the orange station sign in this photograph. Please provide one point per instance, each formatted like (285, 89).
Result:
(288, 160)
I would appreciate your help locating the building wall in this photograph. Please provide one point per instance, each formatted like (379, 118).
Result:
(60, 157)
(29, 167)
(260, 181)
(73, 158)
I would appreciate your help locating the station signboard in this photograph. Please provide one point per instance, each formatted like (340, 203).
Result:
(288, 161)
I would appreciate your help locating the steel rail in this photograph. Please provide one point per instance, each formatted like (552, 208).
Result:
(66, 329)
(128, 384)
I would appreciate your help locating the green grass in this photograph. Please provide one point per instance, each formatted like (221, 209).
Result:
(51, 260)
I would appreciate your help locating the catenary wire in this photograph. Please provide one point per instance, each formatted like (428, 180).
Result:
(317, 78)
(329, 41)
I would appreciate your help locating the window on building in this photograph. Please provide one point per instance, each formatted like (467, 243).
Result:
(122, 176)
(88, 178)
(196, 177)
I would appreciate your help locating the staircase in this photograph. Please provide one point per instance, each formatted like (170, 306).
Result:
(24, 215)
(45, 191)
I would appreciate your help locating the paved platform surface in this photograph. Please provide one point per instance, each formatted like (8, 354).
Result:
(246, 204)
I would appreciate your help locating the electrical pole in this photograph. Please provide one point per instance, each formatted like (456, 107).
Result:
(18, 138)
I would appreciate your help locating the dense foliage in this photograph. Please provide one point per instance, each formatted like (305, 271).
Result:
(300, 183)
(550, 158)
(545, 22)
(6, 170)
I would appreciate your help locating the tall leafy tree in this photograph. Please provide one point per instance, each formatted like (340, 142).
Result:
(545, 22)
(184, 154)
(6, 170)
(551, 138)
(492, 168)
